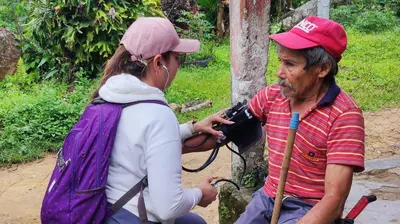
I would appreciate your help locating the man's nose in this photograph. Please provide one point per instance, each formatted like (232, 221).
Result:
(281, 72)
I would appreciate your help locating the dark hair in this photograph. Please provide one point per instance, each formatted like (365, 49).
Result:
(121, 62)
(316, 56)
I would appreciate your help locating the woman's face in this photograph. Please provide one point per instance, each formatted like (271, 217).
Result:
(162, 71)
(172, 66)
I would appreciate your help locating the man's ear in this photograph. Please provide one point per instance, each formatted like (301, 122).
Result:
(324, 70)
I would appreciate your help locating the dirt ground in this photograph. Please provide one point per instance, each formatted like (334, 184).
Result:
(22, 186)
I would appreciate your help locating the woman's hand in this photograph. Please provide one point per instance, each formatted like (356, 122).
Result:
(209, 192)
(205, 125)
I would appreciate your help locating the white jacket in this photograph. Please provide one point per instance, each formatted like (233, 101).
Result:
(148, 142)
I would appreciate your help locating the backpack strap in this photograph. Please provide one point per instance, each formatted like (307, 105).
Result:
(139, 187)
(144, 101)
(100, 100)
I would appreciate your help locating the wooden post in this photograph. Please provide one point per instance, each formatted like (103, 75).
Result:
(220, 20)
(294, 122)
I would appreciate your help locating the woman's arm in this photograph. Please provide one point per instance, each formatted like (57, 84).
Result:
(195, 133)
(164, 167)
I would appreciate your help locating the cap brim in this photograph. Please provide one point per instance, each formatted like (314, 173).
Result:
(292, 41)
(187, 46)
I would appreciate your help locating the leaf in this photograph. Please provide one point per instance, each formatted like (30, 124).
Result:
(44, 60)
(50, 74)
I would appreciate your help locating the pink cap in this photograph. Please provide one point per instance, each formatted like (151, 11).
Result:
(315, 31)
(150, 36)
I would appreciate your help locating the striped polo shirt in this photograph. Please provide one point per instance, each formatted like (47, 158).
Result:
(332, 132)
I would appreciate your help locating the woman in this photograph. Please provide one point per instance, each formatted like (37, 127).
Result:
(148, 140)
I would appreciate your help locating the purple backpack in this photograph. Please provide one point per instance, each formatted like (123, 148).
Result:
(76, 190)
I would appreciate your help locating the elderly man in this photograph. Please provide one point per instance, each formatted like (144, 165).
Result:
(329, 144)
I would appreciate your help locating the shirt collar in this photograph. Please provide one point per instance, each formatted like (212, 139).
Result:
(330, 95)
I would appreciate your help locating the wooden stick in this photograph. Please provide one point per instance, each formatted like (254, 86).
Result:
(294, 122)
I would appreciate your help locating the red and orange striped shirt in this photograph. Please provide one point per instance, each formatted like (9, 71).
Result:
(332, 132)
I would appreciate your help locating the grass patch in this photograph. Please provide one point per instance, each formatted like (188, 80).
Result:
(211, 83)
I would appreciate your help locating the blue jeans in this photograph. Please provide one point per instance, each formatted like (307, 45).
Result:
(259, 210)
(123, 216)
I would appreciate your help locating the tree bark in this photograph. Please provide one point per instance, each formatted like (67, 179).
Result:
(220, 20)
(249, 26)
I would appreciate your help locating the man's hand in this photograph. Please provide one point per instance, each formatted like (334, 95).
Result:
(338, 179)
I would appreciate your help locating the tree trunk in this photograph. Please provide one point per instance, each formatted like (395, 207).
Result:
(249, 26)
(220, 20)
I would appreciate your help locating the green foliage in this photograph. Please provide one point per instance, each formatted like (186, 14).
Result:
(210, 8)
(367, 15)
(200, 29)
(250, 180)
(278, 8)
(64, 36)
(13, 14)
(375, 21)
(345, 14)
(224, 211)
(21, 80)
(36, 119)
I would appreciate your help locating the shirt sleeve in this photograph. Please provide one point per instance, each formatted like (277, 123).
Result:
(164, 169)
(258, 104)
(346, 140)
(185, 131)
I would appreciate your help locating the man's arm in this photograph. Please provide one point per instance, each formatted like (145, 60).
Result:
(199, 143)
(338, 181)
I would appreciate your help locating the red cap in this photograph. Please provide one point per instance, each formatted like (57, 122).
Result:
(315, 31)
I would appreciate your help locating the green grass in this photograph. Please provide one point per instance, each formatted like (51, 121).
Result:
(211, 83)
(370, 69)
(34, 118)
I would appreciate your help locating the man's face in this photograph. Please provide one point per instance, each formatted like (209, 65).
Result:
(295, 81)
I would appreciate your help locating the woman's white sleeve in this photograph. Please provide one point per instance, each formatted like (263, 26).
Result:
(185, 131)
(164, 169)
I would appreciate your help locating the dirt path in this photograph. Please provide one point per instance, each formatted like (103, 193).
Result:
(22, 186)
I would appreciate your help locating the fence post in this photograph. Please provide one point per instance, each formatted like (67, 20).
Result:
(323, 8)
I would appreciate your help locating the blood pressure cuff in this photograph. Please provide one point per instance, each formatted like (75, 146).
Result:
(247, 129)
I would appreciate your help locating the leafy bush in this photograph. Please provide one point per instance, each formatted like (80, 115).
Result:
(210, 8)
(345, 14)
(36, 119)
(64, 36)
(200, 29)
(13, 14)
(375, 21)
(367, 18)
